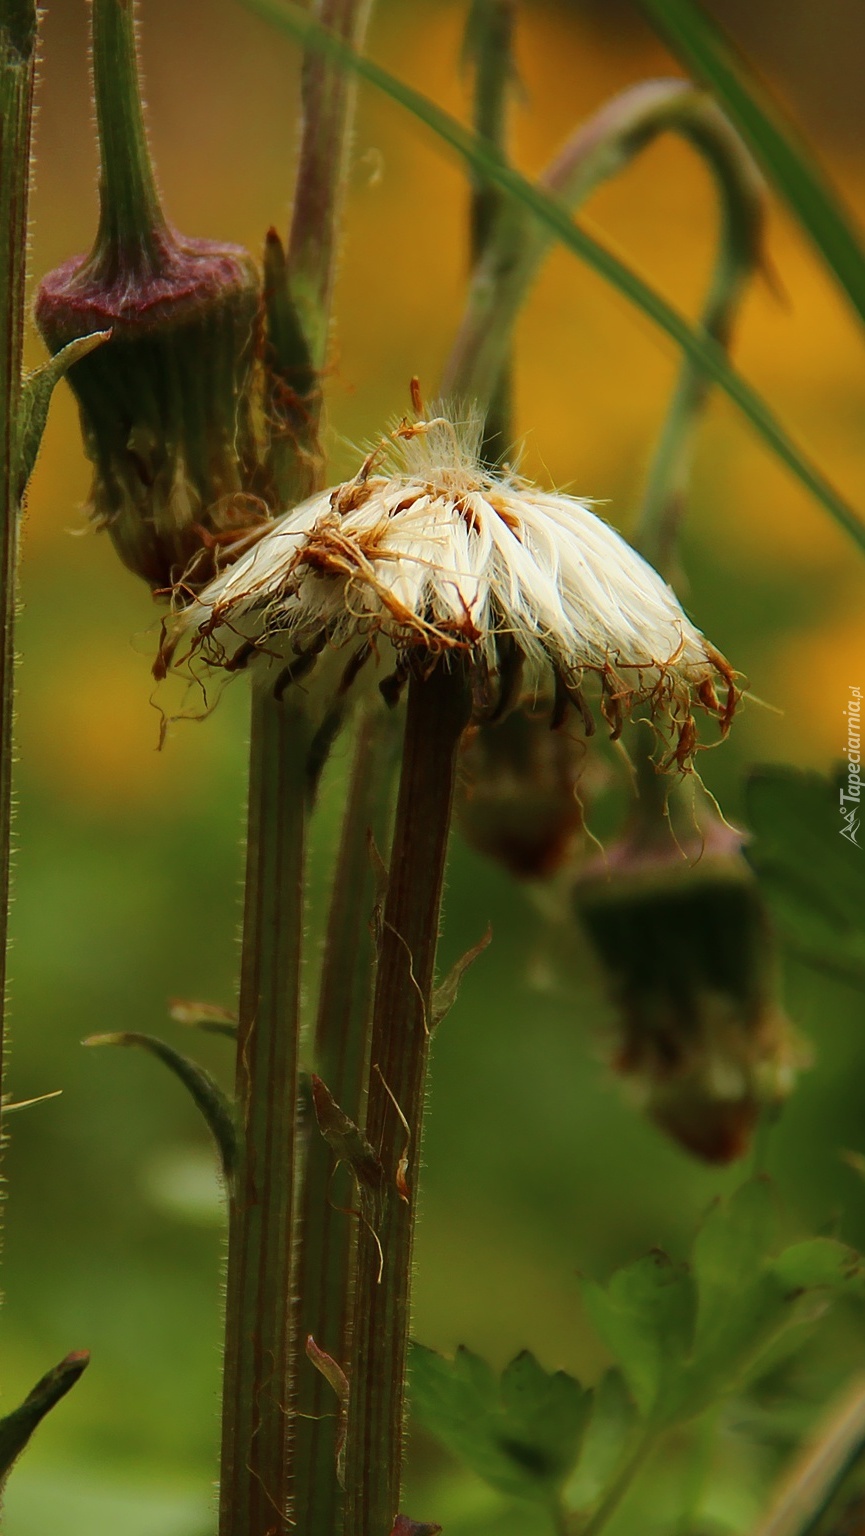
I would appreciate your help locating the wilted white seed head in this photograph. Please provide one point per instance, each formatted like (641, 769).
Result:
(434, 553)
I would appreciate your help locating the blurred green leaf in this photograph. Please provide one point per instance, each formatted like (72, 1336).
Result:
(646, 1317)
(817, 1264)
(786, 160)
(614, 1415)
(555, 214)
(521, 1432)
(686, 1336)
(812, 876)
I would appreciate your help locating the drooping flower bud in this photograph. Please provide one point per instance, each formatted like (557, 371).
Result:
(164, 407)
(518, 798)
(684, 942)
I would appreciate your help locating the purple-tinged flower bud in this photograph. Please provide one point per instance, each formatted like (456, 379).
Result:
(165, 407)
(684, 942)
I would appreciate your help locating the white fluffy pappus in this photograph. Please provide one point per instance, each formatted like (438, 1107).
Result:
(428, 550)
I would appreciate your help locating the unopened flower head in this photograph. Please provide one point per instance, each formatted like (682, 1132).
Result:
(431, 552)
(698, 1028)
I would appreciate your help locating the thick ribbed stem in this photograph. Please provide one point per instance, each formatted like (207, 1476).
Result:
(328, 1233)
(254, 1491)
(132, 233)
(263, 1263)
(438, 711)
(17, 66)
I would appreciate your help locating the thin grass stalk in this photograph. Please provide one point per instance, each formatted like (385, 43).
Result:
(18, 42)
(438, 711)
(258, 1344)
(489, 43)
(328, 1233)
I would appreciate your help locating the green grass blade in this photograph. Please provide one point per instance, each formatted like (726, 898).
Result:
(786, 160)
(707, 354)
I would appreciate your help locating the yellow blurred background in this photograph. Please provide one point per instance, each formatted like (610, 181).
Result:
(128, 857)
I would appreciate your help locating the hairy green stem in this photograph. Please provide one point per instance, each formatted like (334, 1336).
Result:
(328, 103)
(299, 281)
(328, 1232)
(259, 1343)
(132, 228)
(600, 149)
(739, 256)
(438, 711)
(17, 71)
(269, 1282)
(489, 43)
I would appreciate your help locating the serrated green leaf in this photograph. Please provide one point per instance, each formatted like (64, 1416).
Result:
(646, 1317)
(36, 392)
(685, 1336)
(520, 1432)
(741, 1305)
(555, 215)
(729, 1250)
(749, 1299)
(819, 1264)
(812, 877)
(787, 161)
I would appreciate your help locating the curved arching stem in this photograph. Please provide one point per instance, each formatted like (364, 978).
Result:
(599, 150)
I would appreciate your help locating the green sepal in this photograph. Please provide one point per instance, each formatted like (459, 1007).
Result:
(215, 1105)
(290, 357)
(36, 391)
(521, 1431)
(344, 1138)
(447, 991)
(210, 1017)
(17, 1426)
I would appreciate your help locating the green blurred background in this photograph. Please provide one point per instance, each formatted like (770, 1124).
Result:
(130, 859)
